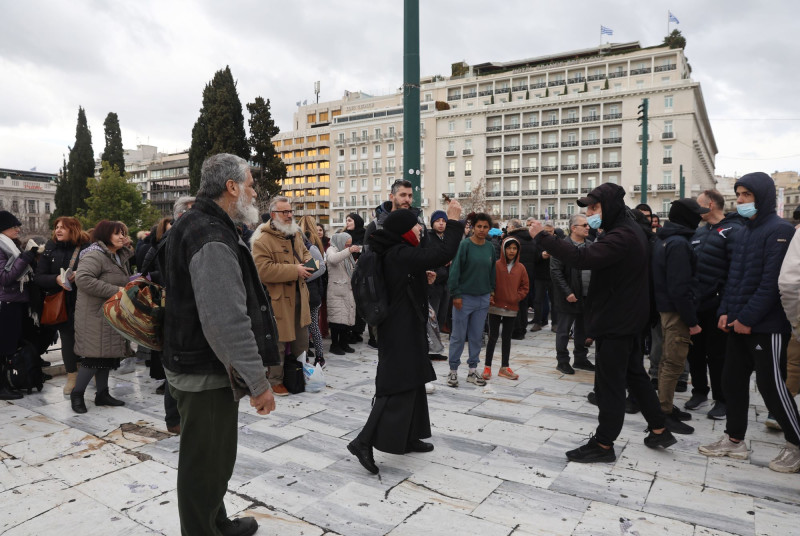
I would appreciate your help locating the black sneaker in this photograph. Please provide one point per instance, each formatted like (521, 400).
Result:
(663, 440)
(591, 452)
(592, 398)
(719, 412)
(680, 415)
(677, 427)
(584, 365)
(695, 401)
(681, 387)
(565, 368)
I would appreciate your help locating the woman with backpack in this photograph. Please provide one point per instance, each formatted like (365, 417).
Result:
(102, 272)
(61, 253)
(341, 303)
(15, 273)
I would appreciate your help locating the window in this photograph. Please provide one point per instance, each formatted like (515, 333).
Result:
(668, 102)
(468, 124)
(667, 177)
(377, 150)
(451, 126)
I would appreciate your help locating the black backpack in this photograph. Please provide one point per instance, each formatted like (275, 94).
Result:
(369, 288)
(25, 371)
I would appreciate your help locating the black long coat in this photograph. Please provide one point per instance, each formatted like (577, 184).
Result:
(403, 362)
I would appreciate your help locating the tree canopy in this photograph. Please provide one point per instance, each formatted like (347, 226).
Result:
(112, 197)
(270, 167)
(113, 154)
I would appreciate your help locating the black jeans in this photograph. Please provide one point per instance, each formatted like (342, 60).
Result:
(207, 455)
(708, 351)
(764, 353)
(565, 322)
(494, 331)
(619, 363)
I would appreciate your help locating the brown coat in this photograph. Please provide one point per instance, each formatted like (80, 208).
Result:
(98, 278)
(276, 264)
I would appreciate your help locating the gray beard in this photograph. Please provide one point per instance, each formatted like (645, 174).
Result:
(289, 229)
(246, 213)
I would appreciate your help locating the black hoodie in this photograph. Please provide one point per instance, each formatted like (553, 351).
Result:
(618, 302)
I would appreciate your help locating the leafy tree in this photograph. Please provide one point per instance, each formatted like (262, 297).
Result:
(270, 169)
(80, 166)
(675, 39)
(63, 196)
(113, 154)
(220, 126)
(112, 197)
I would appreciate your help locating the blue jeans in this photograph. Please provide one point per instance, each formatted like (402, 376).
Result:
(468, 322)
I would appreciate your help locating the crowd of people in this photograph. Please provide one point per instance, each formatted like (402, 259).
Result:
(709, 296)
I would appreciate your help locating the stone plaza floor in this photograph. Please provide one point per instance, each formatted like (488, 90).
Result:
(498, 467)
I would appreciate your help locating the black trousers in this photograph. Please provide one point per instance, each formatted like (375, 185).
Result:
(209, 427)
(707, 351)
(495, 321)
(618, 363)
(565, 323)
(397, 420)
(764, 353)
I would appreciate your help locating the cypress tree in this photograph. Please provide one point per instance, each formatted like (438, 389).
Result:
(220, 126)
(81, 164)
(113, 155)
(270, 168)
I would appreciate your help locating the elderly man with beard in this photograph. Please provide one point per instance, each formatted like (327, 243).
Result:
(219, 337)
(280, 255)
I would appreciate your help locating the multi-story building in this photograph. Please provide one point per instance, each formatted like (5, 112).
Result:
(30, 196)
(529, 137)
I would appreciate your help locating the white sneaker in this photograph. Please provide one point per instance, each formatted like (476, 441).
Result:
(430, 388)
(452, 379)
(788, 461)
(725, 447)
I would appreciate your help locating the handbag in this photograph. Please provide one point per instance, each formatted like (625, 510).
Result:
(54, 310)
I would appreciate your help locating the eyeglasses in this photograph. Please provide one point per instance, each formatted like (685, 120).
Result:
(284, 212)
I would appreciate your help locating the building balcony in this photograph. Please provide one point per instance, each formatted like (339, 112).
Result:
(590, 118)
(494, 149)
(511, 170)
(569, 120)
(530, 169)
(493, 172)
(569, 191)
(549, 168)
(552, 83)
(523, 87)
(530, 147)
(572, 143)
(466, 152)
(457, 96)
(551, 191)
(462, 195)
(569, 167)
(611, 141)
(667, 160)
(643, 70)
(538, 85)
(666, 187)
(662, 68)
(510, 193)
(530, 124)
(450, 153)
(512, 126)
(470, 95)
(590, 142)
(511, 148)
(593, 165)
(549, 122)
(612, 116)
(667, 135)
(493, 193)
(467, 172)
(612, 165)
(549, 145)
(451, 173)
(618, 74)
(485, 93)
(530, 192)
(593, 77)
(494, 128)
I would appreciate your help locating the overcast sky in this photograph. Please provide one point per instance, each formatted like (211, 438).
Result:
(149, 60)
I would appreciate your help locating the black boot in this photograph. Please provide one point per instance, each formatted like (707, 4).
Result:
(103, 398)
(78, 405)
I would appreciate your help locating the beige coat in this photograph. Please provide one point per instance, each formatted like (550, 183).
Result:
(341, 303)
(276, 264)
(98, 278)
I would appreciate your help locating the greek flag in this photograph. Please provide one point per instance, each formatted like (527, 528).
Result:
(606, 31)
(673, 18)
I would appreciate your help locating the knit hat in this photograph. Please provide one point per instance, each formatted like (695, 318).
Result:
(686, 212)
(438, 215)
(401, 222)
(8, 220)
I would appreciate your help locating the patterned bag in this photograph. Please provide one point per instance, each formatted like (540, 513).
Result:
(137, 312)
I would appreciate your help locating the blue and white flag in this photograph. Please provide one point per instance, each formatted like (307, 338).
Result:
(606, 31)
(673, 18)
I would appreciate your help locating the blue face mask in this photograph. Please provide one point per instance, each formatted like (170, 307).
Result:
(747, 210)
(595, 221)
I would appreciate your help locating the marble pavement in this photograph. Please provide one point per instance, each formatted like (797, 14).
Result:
(498, 467)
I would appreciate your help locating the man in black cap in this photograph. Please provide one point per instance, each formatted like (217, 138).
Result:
(675, 289)
(616, 311)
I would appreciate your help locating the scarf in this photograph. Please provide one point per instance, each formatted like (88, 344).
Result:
(12, 251)
(338, 241)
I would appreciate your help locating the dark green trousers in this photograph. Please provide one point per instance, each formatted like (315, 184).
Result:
(209, 426)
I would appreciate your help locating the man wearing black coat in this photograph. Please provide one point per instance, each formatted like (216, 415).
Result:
(399, 418)
(675, 289)
(617, 308)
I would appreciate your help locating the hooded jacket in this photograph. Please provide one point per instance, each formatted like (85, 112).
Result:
(751, 291)
(713, 245)
(617, 304)
(675, 272)
(510, 287)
